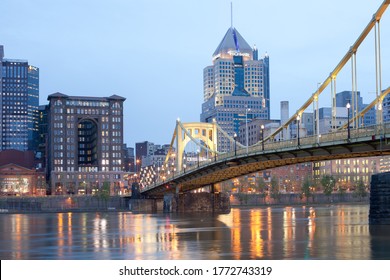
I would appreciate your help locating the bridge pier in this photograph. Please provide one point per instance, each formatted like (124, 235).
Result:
(197, 202)
(380, 199)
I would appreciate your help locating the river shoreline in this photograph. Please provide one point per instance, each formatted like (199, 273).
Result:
(61, 204)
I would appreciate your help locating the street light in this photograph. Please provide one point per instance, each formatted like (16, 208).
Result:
(246, 126)
(198, 156)
(349, 132)
(262, 137)
(136, 165)
(298, 120)
(235, 144)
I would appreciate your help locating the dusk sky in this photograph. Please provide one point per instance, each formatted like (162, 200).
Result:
(153, 52)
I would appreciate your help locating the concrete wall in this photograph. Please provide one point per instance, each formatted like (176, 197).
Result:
(295, 199)
(380, 199)
(61, 204)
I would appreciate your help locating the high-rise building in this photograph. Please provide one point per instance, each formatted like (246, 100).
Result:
(128, 158)
(345, 97)
(19, 101)
(142, 149)
(43, 139)
(386, 109)
(85, 144)
(236, 86)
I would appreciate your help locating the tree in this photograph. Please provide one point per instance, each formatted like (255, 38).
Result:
(360, 190)
(328, 182)
(105, 190)
(261, 186)
(341, 192)
(306, 185)
(275, 194)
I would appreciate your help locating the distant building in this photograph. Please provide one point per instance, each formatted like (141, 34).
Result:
(325, 119)
(386, 109)
(254, 130)
(19, 101)
(307, 123)
(291, 177)
(85, 144)
(384, 164)
(43, 139)
(236, 86)
(143, 149)
(345, 97)
(129, 158)
(19, 175)
(284, 117)
(347, 172)
(156, 159)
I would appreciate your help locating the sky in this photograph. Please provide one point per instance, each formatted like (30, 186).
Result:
(153, 52)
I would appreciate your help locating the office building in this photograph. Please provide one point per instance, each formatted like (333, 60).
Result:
(347, 172)
(129, 158)
(85, 144)
(236, 86)
(386, 109)
(143, 149)
(19, 101)
(255, 131)
(345, 97)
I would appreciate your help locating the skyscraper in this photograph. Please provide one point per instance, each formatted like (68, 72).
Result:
(236, 86)
(19, 101)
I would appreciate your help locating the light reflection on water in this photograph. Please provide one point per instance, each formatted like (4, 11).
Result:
(321, 232)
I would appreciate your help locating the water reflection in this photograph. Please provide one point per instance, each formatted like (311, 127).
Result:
(335, 232)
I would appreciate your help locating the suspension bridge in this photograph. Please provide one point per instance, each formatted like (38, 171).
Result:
(184, 171)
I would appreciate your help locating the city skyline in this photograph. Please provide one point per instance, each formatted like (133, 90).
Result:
(158, 51)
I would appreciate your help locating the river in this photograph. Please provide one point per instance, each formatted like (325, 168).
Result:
(335, 232)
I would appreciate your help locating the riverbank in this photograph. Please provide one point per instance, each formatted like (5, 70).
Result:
(117, 203)
(295, 199)
(62, 204)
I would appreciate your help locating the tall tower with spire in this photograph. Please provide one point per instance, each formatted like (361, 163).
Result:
(236, 85)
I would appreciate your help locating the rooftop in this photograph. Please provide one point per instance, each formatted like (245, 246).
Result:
(89, 98)
(232, 43)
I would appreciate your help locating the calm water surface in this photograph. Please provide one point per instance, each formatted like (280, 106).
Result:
(321, 232)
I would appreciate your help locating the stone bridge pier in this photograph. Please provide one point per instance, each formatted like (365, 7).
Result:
(380, 199)
(218, 203)
(197, 202)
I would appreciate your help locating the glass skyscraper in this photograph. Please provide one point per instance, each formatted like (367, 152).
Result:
(236, 86)
(19, 101)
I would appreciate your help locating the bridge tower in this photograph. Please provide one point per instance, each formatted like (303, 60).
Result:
(197, 132)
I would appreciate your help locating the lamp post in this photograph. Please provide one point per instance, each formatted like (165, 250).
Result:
(235, 144)
(349, 132)
(262, 137)
(246, 126)
(136, 165)
(198, 156)
(298, 121)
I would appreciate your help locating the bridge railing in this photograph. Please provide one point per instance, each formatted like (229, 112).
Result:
(369, 132)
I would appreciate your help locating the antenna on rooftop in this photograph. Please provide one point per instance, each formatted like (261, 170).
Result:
(231, 14)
